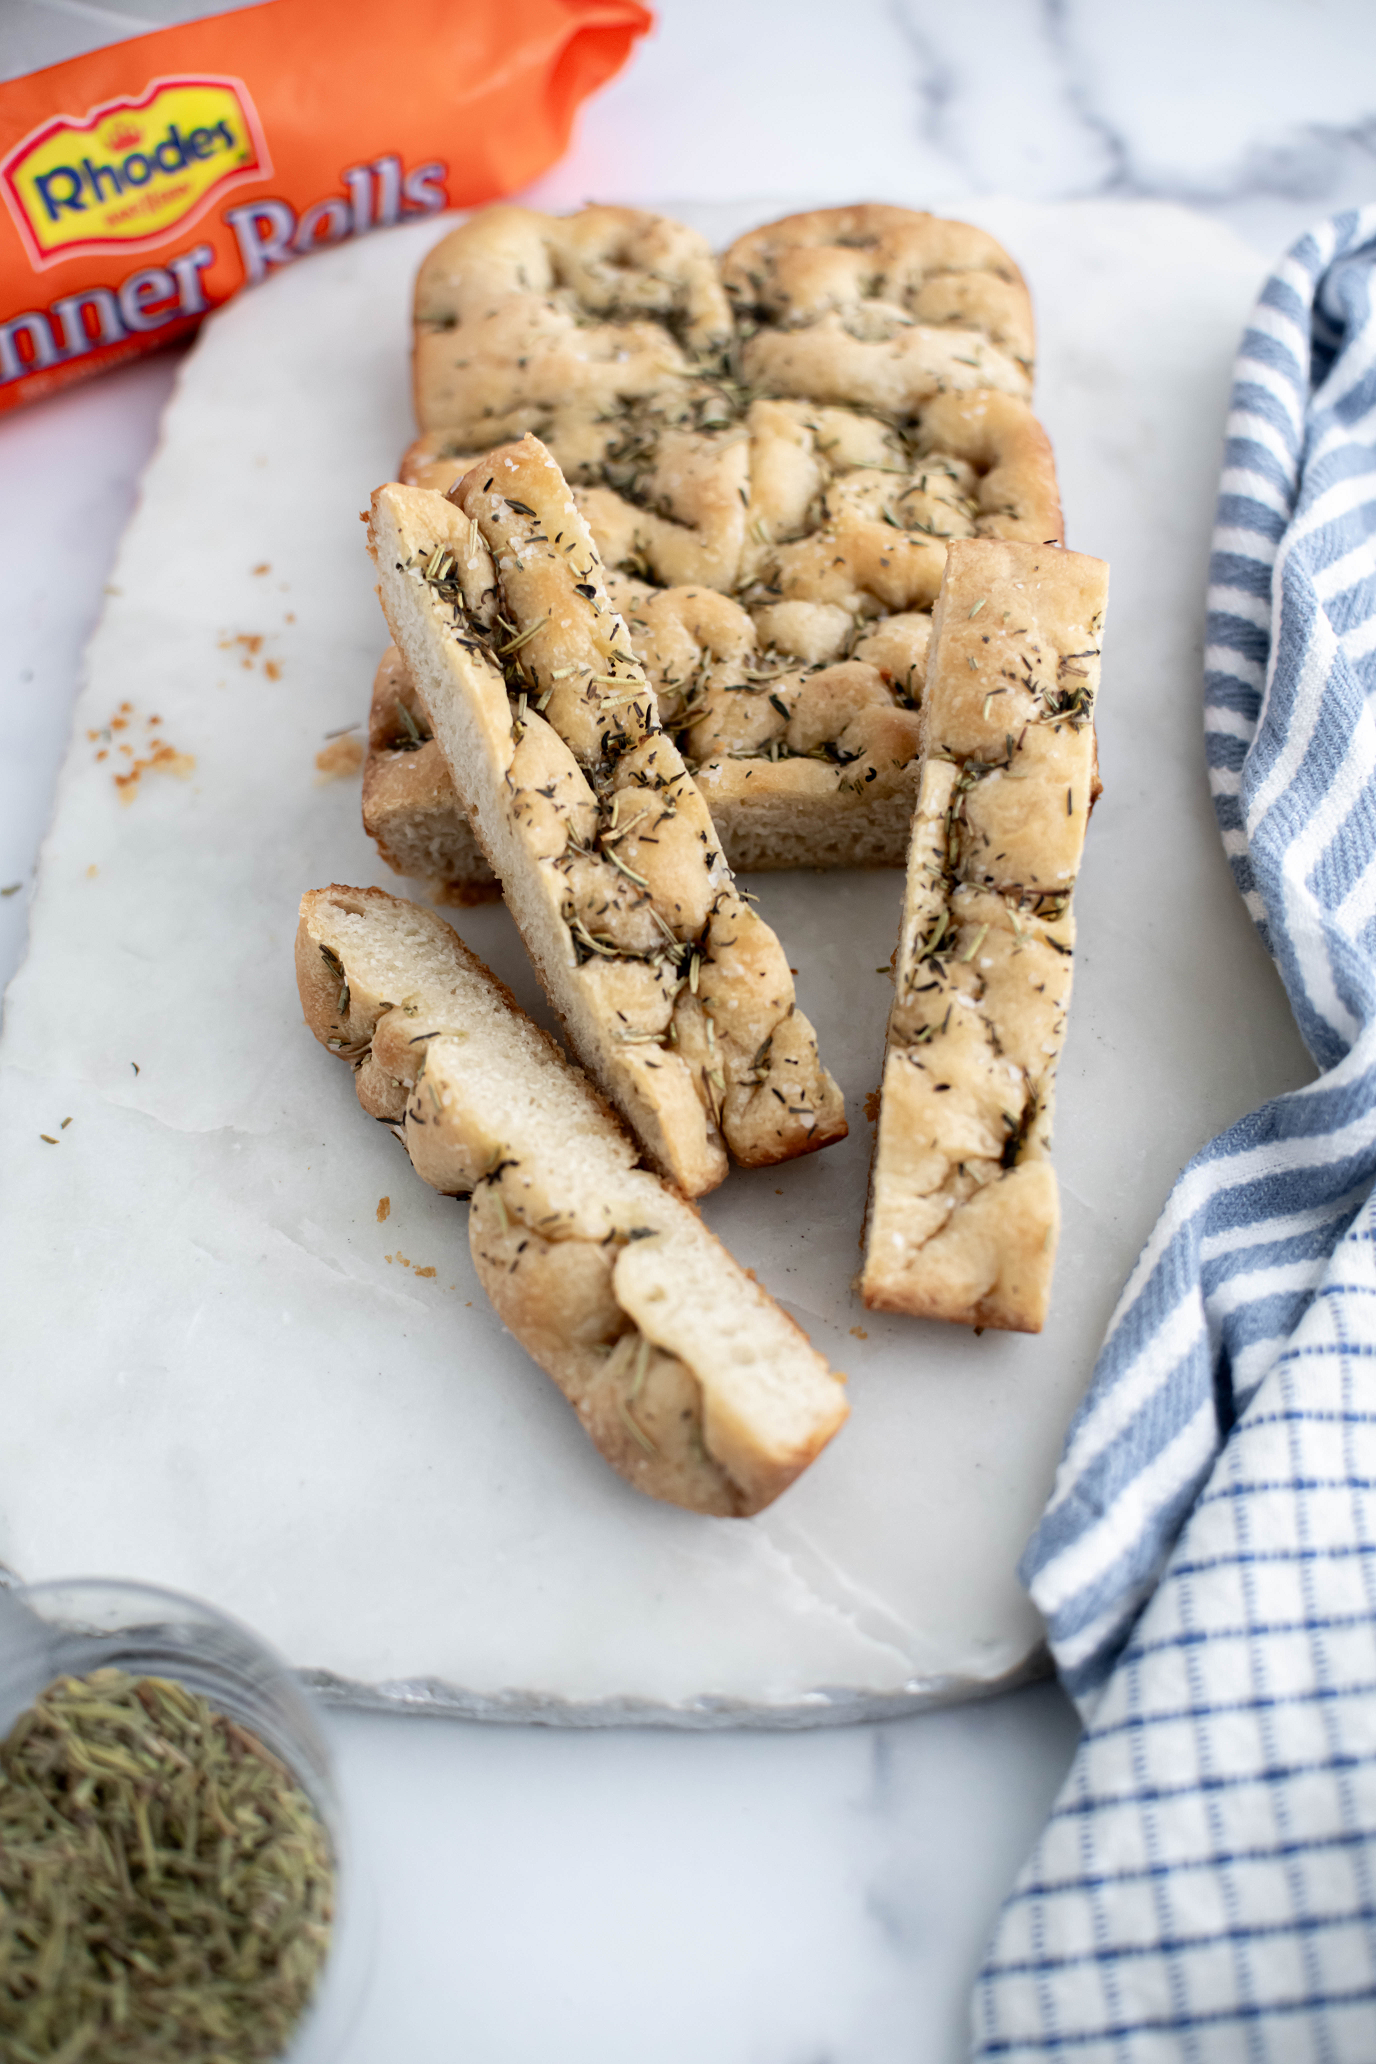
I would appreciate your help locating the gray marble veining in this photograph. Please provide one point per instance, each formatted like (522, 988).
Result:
(1261, 114)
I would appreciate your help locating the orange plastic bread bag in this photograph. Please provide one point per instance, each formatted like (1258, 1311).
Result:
(147, 182)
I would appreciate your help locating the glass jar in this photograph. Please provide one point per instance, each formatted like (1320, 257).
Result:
(73, 1626)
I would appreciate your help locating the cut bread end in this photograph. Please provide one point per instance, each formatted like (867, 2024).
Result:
(685, 1373)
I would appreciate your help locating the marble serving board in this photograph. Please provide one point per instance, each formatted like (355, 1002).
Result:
(225, 1371)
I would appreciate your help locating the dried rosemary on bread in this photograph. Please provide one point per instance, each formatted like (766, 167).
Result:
(674, 994)
(686, 1375)
(963, 1211)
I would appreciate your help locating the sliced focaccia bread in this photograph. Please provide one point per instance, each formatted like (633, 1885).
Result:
(684, 1372)
(794, 699)
(675, 996)
(963, 1213)
(805, 447)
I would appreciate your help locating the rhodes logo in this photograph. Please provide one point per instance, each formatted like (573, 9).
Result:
(131, 172)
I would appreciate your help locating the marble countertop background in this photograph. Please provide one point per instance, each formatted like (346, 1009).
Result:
(753, 1898)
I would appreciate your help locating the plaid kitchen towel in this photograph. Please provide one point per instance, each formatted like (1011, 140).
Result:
(1206, 1886)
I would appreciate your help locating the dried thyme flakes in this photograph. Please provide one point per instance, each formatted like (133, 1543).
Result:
(166, 1888)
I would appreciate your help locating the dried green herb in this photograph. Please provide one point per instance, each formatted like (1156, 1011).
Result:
(336, 968)
(166, 1888)
(520, 638)
(416, 734)
(632, 1424)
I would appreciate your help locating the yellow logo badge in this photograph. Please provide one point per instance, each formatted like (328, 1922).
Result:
(132, 171)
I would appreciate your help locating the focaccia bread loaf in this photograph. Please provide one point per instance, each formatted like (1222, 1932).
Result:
(675, 996)
(803, 444)
(963, 1211)
(684, 1372)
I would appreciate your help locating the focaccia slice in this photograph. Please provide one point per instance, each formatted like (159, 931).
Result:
(676, 997)
(963, 1210)
(684, 1372)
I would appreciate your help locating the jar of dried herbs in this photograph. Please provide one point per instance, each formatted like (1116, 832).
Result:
(167, 1885)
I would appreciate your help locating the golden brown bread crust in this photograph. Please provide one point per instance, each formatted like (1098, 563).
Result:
(963, 1213)
(409, 805)
(580, 1251)
(820, 505)
(767, 816)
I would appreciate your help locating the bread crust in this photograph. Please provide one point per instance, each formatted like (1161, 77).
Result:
(963, 1210)
(819, 498)
(409, 806)
(674, 994)
(686, 1375)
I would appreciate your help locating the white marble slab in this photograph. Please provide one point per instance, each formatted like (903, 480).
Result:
(241, 1394)
(71, 468)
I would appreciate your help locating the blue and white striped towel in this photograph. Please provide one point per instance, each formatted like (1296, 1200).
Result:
(1206, 1886)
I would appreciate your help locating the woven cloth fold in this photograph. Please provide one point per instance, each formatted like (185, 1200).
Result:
(1206, 1886)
